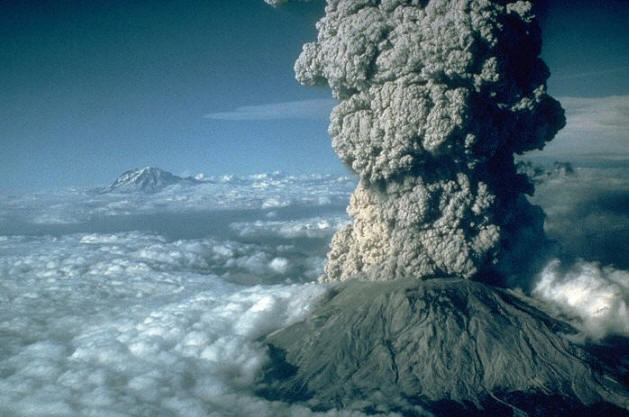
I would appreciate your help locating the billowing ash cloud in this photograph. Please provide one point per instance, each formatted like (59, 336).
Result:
(436, 97)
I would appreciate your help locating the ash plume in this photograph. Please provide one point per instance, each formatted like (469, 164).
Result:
(436, 97)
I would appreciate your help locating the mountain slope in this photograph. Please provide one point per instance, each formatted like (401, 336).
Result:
(442, 346)
(148, 180)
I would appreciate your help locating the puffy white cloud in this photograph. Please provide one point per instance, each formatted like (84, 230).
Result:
(587, 214)
(134, 324)
(597, 296)
(261, 191)
(279, 265)
(318, 227)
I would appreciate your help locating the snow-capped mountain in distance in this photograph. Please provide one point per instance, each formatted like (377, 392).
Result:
(148, 180)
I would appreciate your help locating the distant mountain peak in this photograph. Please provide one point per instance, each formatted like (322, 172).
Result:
(147, 179)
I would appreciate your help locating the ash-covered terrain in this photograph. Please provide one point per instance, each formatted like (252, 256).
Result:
(441, 347)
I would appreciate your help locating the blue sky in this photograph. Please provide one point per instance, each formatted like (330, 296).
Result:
(89, 89)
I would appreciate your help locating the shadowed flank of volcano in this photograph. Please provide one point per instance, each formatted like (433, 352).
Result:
(441, 346)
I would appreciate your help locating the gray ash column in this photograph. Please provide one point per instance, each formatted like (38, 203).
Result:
(436, 98)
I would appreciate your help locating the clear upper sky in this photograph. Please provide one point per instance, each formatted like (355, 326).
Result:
(89, 89)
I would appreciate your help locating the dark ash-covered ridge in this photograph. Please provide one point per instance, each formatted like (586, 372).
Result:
(441, 346)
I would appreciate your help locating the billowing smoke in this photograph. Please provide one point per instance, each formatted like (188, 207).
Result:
(436, 97)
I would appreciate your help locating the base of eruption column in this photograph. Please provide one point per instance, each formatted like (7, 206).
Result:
(444, 347)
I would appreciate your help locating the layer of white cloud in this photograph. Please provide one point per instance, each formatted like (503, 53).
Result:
(255, 192)
(318, 227)
(596, 128)
(303, 109)
(140, 324)
(571, 76)
(587, 214)
(597, 296)
(132, 324)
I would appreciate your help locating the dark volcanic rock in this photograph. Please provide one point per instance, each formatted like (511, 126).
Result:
(441, 346)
